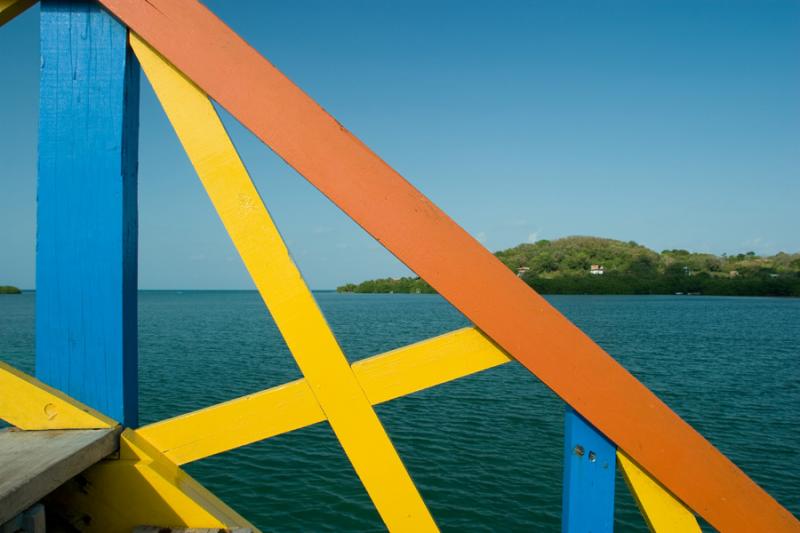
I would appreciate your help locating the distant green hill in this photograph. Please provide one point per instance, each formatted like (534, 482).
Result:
(8, 289)
(593, 265)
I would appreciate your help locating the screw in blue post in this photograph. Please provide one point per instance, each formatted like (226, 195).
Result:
(589, 474)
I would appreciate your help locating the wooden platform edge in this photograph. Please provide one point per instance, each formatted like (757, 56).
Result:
(34, 463)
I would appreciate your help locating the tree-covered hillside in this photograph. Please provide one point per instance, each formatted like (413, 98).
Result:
(576, 255)
(564, 266)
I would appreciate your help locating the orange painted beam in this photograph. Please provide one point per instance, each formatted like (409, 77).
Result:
(436, 248)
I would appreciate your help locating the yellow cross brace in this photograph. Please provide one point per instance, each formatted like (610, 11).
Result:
(142, 486)
(27, 403)
(286, 295)
(292, 406)
(661, 510)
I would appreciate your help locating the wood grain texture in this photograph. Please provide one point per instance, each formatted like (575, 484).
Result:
(287, 297)
(660, 509)
(291, 406)
(11, 8)
(27, 403)
(590, 460)
(436, 248)
(33, 463)
(86, 217)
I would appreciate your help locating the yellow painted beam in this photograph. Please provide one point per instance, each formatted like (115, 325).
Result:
(11, 8)
(291, 406)
(142, 487)
(236, 423)
(27, 403)
(287, 297)
(427, 363)
(661, 510)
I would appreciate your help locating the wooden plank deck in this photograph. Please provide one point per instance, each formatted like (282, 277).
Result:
(33, 463)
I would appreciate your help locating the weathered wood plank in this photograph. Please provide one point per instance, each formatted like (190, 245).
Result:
(34, 463)
(429, 242)
(287, 296)
(86, 217)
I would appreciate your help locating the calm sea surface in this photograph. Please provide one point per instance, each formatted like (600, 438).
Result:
(485, 451)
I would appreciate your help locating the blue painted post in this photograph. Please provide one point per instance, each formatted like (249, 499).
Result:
(86, 271)
(589, 470)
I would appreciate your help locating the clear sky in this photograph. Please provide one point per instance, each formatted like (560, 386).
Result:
(672, 123)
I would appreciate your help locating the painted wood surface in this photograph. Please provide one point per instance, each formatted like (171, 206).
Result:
(427, 363)
(86, 217)
(160, 529)
(138, 487)
(384, 377)
(27, 403)
(33, 463)
(660, 509)
(141, 487)
(423, 237)
(589, 474)
(287, 297)
(11, 8)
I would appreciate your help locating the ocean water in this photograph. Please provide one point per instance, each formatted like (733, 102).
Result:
(485, 451)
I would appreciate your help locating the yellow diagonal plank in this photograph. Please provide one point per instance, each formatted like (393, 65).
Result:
(289, 300)
(140, 488)
(292, 406)
(661, 510)
(11, 8)
(27, 403)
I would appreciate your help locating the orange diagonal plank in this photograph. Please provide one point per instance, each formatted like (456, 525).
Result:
(431, 244)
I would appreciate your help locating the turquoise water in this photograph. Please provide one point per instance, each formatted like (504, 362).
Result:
(485, 451)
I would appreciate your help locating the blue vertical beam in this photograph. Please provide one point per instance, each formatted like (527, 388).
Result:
(589, 470)
(86, 256)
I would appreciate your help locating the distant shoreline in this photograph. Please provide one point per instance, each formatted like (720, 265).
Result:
(546, 289)
(594, 265)
(8, 289)
(334, 291)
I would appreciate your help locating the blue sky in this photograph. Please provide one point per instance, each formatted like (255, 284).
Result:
(674, 124)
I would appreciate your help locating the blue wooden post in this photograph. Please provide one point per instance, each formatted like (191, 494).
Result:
(589, 470)
(86, 258)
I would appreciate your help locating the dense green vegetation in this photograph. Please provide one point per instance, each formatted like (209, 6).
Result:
(8, 289)
(563, 267)
(389, 285)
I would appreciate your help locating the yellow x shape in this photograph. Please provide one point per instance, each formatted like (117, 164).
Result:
(344, 394)
(146, 484)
